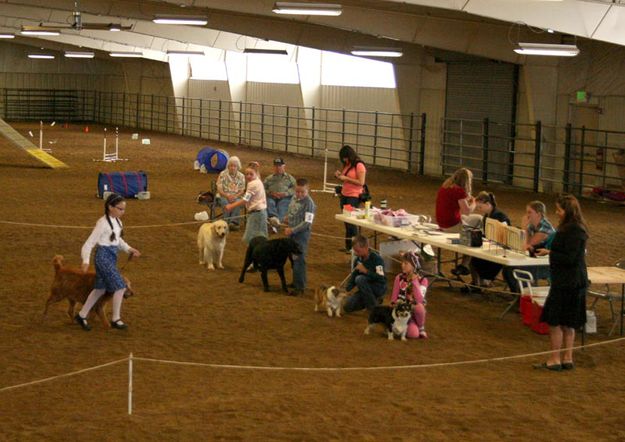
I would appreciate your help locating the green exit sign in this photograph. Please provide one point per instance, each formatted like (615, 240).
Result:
(581, 96)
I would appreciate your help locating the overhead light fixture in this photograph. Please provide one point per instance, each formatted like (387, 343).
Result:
(126, 54)
(41, 56)
(554, 50)
(362, 51)
(186, 53)
(39, 30)
(265, 51)
(7, 35)
(78, 54)
(115, 28)
(180, 20)
(291, 8)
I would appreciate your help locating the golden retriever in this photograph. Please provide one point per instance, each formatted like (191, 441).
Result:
(73, 284)
(211, 242)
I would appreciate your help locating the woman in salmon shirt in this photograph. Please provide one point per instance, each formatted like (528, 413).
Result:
(353, 179)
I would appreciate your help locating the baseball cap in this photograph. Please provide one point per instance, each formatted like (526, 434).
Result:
(278, 162)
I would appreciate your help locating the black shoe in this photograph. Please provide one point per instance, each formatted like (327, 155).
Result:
(544, 366)
(295, 292)
(119, 325)
(82, 322)
(460, 270)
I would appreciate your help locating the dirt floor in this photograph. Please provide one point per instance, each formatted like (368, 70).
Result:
(183, 312)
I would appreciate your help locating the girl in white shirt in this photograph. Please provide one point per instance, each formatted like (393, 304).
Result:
(255, 202)
(107, 236)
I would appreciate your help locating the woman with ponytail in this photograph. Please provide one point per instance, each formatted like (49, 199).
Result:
(108, 237)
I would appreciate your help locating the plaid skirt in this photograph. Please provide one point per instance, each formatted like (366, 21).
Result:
(106, 274)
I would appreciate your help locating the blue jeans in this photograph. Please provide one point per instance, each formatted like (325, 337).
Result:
(232, 216)
(367, 296)
(350, 229)
(278, 207)
(299, 261)
(538, 272)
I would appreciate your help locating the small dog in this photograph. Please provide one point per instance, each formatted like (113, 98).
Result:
(75, 285)
(211, 242)
(395, 319)
(269, 254)
(330, 299)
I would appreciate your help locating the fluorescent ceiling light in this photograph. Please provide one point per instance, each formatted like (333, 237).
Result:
(41, 56)
(265, 51)
(307, 8)
(126, 54)
(39, 30)
(7, 35)
(115, 28)
(556, 50)
(75, 54)
(186, 53)
(377, 52)
(180, 20)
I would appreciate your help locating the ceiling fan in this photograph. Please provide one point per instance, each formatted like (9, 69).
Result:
(77, 24)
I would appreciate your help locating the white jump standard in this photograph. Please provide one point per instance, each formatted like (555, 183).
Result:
(111, 157)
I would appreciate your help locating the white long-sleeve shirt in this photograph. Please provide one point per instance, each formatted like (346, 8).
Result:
(101, 235)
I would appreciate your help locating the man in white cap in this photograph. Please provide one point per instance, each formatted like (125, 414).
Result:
(279, 187)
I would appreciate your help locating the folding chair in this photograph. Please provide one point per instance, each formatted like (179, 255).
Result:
(209, 199)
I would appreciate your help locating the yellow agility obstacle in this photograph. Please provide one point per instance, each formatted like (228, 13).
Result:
(17, 139)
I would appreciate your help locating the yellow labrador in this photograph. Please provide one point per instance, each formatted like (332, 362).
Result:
(211, 242)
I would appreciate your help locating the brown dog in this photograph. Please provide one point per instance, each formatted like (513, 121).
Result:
(75, 285)
(330, 299)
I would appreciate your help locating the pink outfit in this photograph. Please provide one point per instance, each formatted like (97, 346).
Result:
(351, 189)
(412, 291)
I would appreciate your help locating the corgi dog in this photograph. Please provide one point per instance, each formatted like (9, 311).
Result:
(394, 318)
(330, 299)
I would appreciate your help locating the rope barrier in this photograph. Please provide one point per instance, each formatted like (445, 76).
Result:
(313, 369)
(375, 368)
(73, 373)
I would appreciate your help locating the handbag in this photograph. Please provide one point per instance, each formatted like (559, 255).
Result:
(471, 237)
(365, 195)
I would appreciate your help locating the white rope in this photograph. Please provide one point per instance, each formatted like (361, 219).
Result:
(51, 378)
(375, 368)
(314, 369)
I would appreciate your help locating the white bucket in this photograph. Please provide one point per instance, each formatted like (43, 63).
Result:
(143, 195)
(591, 322)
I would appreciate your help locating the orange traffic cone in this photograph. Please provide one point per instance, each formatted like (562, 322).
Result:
(86, 129)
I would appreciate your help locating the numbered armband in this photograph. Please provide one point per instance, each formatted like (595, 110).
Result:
(379, 270)
(309, 217)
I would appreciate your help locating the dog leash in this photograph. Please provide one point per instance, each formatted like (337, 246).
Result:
(129, 259)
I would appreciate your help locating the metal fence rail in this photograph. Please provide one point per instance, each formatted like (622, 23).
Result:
(536, 156)
(524, 155)
(381, 139)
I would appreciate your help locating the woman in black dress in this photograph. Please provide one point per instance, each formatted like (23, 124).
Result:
(565, 307)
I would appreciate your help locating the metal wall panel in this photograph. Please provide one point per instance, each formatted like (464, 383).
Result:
(477, 90)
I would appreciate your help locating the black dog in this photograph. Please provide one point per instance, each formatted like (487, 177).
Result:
(394, 318)
(269, 254)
